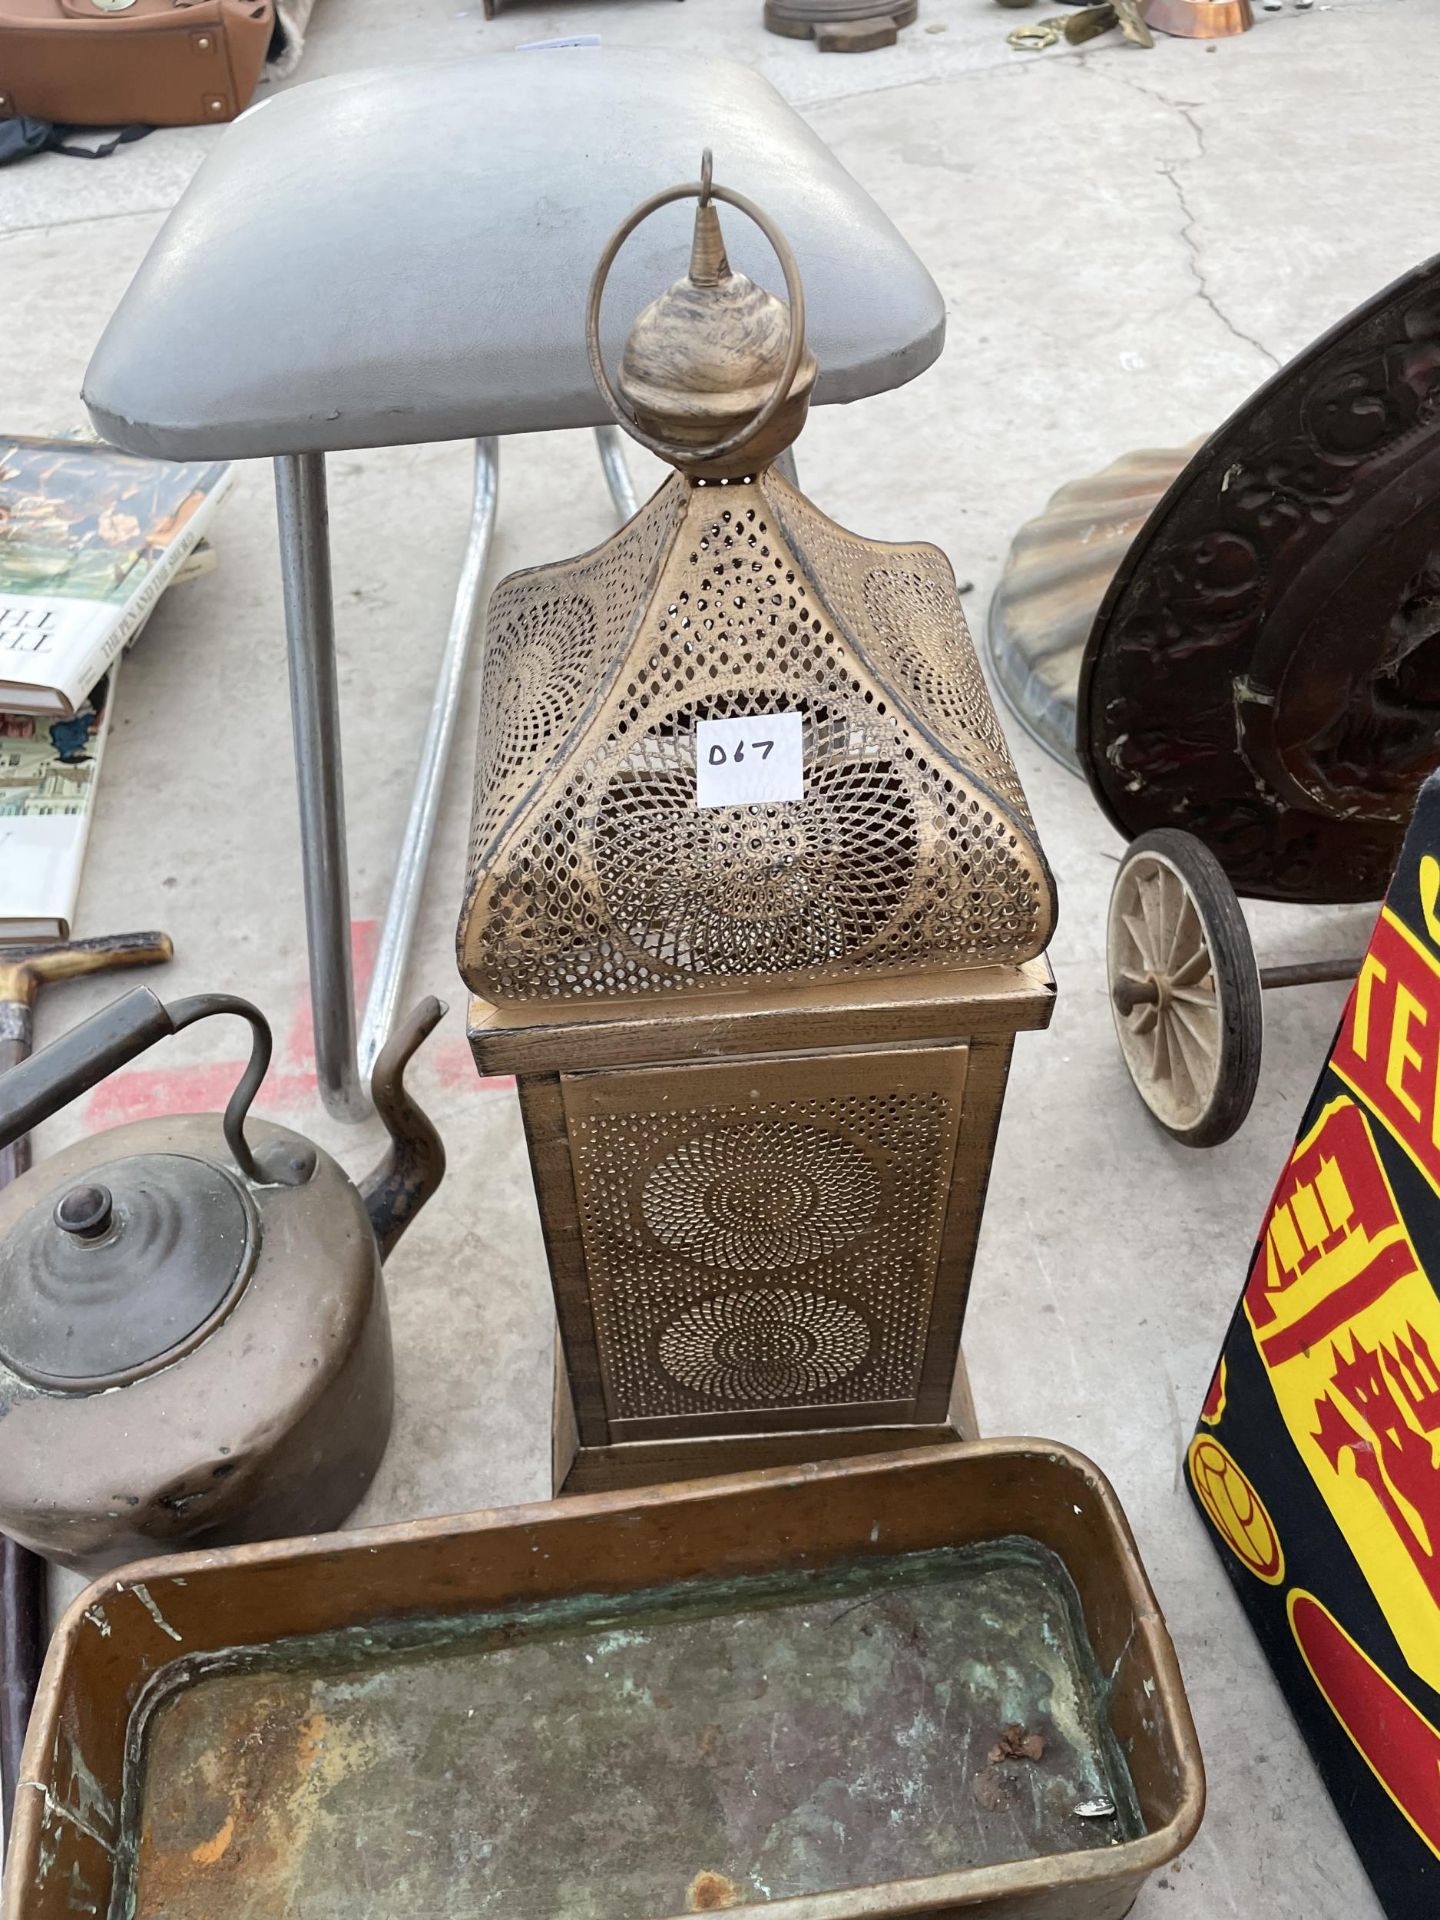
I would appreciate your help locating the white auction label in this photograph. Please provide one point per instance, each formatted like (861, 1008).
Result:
(750, 761)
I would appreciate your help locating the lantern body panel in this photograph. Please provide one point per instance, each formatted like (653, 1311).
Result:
(761, 1218)
(595, 874)
(762, 1242)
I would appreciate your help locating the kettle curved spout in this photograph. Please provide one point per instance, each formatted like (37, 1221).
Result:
(415, 1163)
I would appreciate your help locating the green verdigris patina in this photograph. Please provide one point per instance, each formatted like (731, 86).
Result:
(700, 1746)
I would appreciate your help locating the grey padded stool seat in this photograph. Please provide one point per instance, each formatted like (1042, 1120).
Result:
(391, 258)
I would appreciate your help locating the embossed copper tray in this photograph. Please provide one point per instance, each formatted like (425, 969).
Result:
(1264, 671)
(910, 1684)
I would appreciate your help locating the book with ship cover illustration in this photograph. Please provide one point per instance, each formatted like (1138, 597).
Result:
(89, 540)
(48, 769)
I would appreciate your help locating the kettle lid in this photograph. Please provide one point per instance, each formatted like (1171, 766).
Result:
(117, 1275)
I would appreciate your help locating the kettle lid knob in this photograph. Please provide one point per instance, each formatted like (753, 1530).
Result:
(85, 1212)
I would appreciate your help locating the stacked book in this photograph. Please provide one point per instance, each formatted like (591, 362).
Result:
(89, 540)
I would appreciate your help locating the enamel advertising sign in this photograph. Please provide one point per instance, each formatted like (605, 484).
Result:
(1317, 1459)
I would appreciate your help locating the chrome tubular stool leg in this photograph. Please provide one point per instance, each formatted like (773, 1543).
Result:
(315, 719)
(467, 623)
(617, 475)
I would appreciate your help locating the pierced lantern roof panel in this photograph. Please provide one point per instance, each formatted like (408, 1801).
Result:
(595, 874)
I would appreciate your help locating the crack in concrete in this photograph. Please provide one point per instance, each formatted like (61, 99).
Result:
(1187, 110)
(1197, 269)
(1079, 58)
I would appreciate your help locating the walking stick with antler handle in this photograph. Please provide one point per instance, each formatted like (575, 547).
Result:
(23, 971)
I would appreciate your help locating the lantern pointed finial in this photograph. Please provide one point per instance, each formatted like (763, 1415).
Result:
(708, 377)
(709, 263)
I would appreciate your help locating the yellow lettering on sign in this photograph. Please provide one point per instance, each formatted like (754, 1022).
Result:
(1388, 1047)
(1370, 972)
(1430, 894)
(1408, 1012)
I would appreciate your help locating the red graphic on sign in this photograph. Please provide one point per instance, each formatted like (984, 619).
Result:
(1396, 1741)
(1347, 1323)
(1214, 1406)
(1332, 1205)
(1392, 1396)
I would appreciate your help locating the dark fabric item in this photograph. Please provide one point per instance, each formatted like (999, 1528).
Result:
(22, 136)
(86, 143)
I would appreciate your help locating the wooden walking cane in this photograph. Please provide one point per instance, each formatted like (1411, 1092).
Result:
(23, 971)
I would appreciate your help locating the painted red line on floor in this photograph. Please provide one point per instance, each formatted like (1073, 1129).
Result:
(148, 1092)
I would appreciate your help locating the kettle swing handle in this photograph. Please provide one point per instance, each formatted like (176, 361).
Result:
(89, 1053)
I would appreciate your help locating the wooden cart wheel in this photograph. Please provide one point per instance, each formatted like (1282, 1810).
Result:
(1184, 987)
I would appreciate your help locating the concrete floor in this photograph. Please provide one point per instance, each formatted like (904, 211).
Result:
(1128, 243)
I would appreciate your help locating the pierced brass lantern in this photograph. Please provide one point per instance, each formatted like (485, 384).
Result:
(755, 908)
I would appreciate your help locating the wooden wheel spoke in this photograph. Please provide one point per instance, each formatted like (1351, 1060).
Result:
(1193, 969)
(1152, 907)
(1195, 1050)
(1139, 933)
(1186, 934)
(1200, 998)
(1160, 1051)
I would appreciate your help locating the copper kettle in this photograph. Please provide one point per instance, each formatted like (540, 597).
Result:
(194, 1341)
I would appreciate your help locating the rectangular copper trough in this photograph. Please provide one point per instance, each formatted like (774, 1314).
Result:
(914, 1684)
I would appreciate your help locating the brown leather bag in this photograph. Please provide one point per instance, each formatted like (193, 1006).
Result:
(110, 63)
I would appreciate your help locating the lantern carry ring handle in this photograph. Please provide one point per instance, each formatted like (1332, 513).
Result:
(704, 190)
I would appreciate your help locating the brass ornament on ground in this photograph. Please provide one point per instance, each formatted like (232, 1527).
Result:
(1085, 23)
(760, 1045)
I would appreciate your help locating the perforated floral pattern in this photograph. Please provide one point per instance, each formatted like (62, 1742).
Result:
(746, 890)
(593, 871)
(770, 1344)
(906, 617)
(755, 1198)
(774, 1253)
(549, 644)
